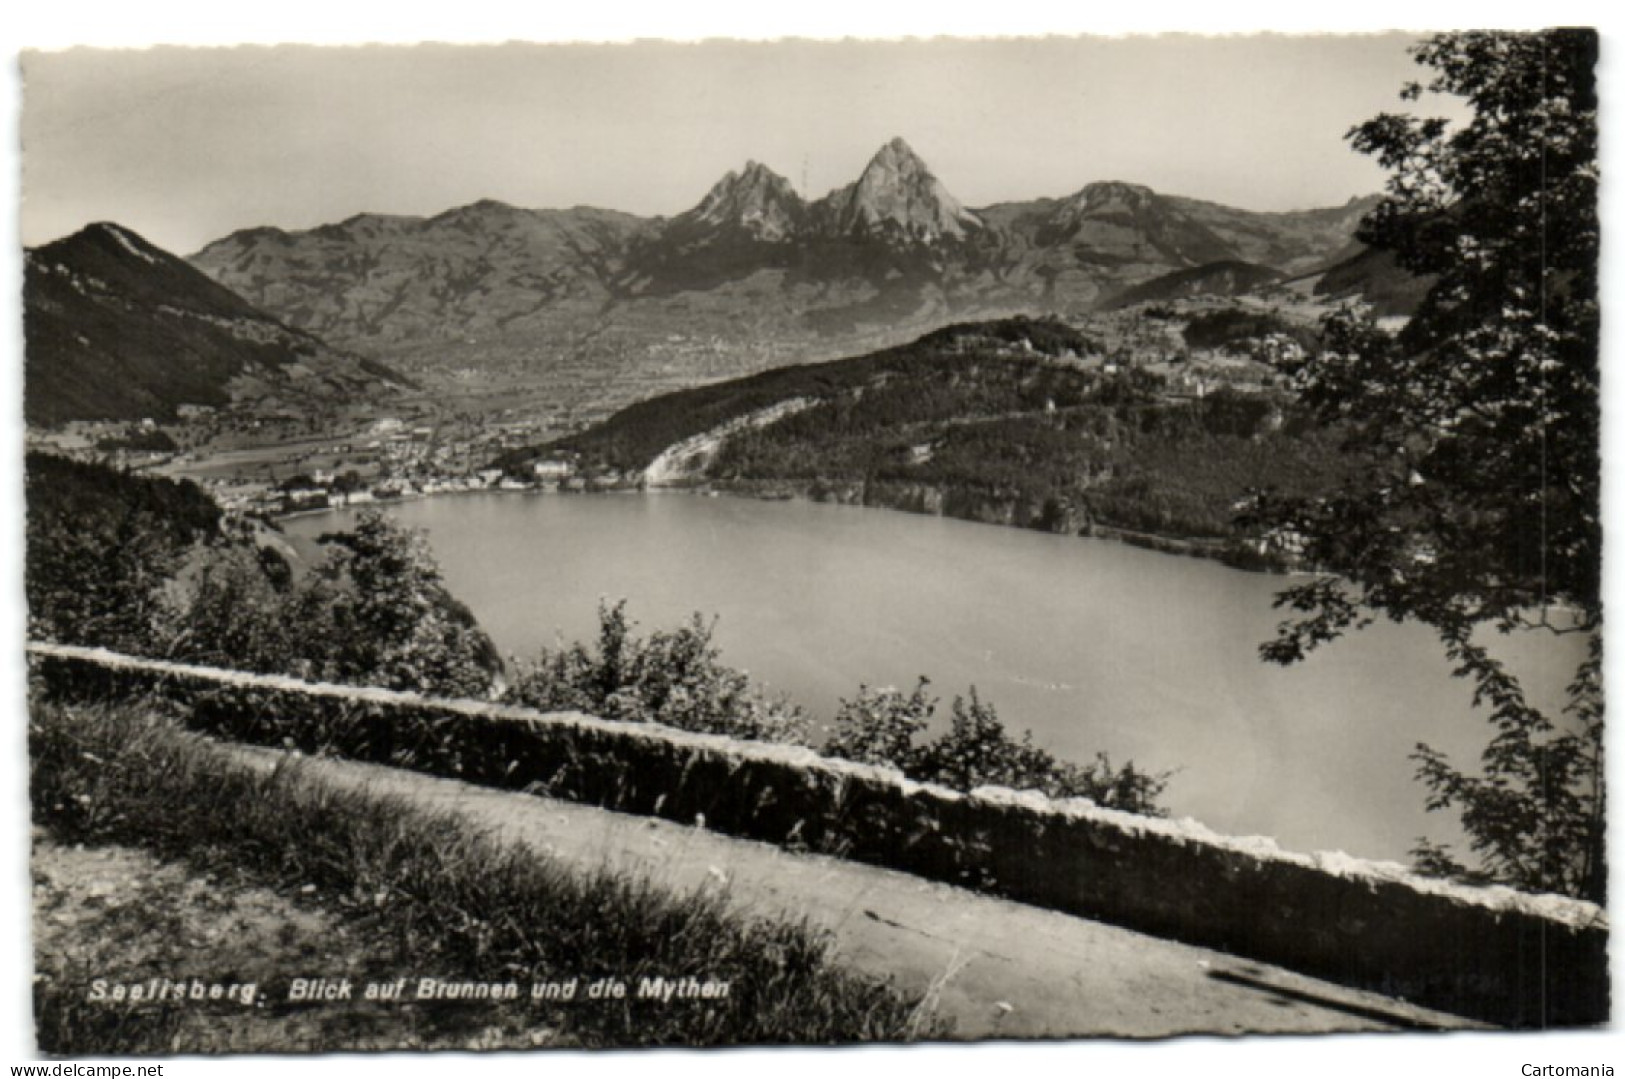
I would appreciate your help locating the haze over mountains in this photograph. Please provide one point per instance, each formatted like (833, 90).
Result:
(119, 329)
(753, 276)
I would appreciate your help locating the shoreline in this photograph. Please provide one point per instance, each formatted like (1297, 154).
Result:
(420, 497)
(1208, 550)
(1211, 550)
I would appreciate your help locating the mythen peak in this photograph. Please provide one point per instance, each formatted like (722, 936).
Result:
(900, 147)
(897, 158)
(898, 195)
(757, 200)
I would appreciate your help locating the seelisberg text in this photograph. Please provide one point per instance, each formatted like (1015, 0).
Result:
(167, 989)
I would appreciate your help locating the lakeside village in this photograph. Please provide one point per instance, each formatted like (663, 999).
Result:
(387, 459)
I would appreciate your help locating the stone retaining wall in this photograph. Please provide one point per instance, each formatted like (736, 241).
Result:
(1489, 953)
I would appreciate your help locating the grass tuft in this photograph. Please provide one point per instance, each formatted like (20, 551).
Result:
(432, 887)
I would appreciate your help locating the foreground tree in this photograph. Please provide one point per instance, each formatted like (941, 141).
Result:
(391, 619)
(103, 546)
(1484, 413)
(374, 611)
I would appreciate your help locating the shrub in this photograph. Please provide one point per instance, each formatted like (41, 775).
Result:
(672, 677)
(880, 727)
(975, 752)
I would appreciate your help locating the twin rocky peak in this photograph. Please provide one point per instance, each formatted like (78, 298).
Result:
(896, 197)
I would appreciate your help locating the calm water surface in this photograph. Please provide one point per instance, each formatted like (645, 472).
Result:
(1091, 644)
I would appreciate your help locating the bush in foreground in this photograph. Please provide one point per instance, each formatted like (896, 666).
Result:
(881, 726)
(676, 678)
(672, 677)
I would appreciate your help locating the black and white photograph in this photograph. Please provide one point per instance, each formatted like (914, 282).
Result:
(534, 546)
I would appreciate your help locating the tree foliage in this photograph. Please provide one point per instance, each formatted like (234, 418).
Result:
(882, 726)
(374, 611)
(672, 677)
(1227, 328)
(102, 547)
(142, 564)
(984, 438)
(1481, 508)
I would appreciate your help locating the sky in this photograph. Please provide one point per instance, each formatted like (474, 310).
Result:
(147, 148)
(187, 145)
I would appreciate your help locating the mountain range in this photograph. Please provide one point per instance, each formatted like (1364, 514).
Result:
(752, 276)
(594, 308)
(118, 329)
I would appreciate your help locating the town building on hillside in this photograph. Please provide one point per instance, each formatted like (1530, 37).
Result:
(552, 469)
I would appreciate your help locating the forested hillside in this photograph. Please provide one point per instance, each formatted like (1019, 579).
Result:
(1017, 422)
(118, 329)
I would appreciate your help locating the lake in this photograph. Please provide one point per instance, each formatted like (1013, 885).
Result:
(1091, 644)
